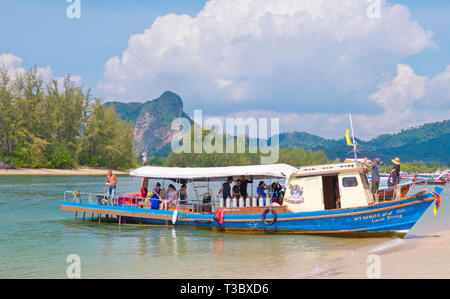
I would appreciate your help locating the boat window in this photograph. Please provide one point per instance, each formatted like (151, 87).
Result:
(350, 182)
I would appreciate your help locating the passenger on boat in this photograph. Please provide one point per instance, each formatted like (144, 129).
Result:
(171, 197)
(276, 193)
(226, 188)
(183, 195)
(144, 188)
(375, 176)
(394, 177)
(337, 196)
(237, 189)
(244, 183)
(111, 186)
(157, 197)
(261, 190)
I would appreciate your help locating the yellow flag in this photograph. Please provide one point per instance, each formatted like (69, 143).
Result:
(347, 136)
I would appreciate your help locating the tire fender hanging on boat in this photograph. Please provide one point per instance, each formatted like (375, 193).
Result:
(264, 214)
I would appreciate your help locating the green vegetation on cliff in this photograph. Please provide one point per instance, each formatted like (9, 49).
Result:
(166, 108)
(152, 122)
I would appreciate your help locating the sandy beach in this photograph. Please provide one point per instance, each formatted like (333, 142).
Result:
(46, 171)
(412, 257)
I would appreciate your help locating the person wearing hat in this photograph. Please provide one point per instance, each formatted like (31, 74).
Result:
(394, 177)
(375, 176)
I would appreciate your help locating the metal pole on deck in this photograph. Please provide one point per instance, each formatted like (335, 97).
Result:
(353, 137)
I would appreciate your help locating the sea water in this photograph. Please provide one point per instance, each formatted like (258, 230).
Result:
(36, 238)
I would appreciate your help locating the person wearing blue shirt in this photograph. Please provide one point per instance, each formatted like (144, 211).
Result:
(261, 190)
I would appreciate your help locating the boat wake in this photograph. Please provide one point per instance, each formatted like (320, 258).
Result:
(387, 246)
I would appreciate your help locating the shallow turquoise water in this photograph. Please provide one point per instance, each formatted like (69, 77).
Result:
(36, 237)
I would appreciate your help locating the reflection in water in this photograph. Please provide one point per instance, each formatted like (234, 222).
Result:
(174, 242)
(143, 245)
(218, 247)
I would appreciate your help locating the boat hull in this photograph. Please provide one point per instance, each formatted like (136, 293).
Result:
(395, 217)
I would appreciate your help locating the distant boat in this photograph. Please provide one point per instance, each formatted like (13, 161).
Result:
(332, 199)
(387, 193)
(429, 179)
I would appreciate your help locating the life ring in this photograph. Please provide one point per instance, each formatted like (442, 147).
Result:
(266, 211)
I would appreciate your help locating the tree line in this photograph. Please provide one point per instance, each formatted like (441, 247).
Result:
(293, 156)
(50, 126)
(417, 167)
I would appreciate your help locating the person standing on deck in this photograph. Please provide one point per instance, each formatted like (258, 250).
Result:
(144, 187)
(237, 189)
(226, 188)
(394, 178)
(276, 193)
(111, 184)
(244, 183)
(375, 177)
(261, 190)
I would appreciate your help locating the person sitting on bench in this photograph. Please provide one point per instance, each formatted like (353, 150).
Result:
(171, 197)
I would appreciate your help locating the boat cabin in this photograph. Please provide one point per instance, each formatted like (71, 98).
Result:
(328, 187)
(206, 182)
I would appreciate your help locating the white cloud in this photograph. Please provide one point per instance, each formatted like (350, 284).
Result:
(407, 100)
(13, 66)
(309, 62)
(438, 91)
(301, 55)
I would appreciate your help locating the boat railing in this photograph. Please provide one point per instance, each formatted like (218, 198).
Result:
(198, 205)
(101, 199)
(79, 197)
(386, 189)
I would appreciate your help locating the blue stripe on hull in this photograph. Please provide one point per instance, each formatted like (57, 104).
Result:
(387, 217)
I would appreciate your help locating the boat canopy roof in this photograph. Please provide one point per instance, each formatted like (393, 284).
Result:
(214, 173)
(329, 169)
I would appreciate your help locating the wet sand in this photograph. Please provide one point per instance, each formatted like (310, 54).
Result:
(426, 256)
(75, 172)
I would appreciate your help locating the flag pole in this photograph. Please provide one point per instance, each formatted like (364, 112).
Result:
(353, 137)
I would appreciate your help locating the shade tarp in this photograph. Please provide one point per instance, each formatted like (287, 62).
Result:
(214, 173)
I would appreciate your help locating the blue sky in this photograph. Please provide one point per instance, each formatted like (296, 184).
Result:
(434, 16)
(40, 33)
